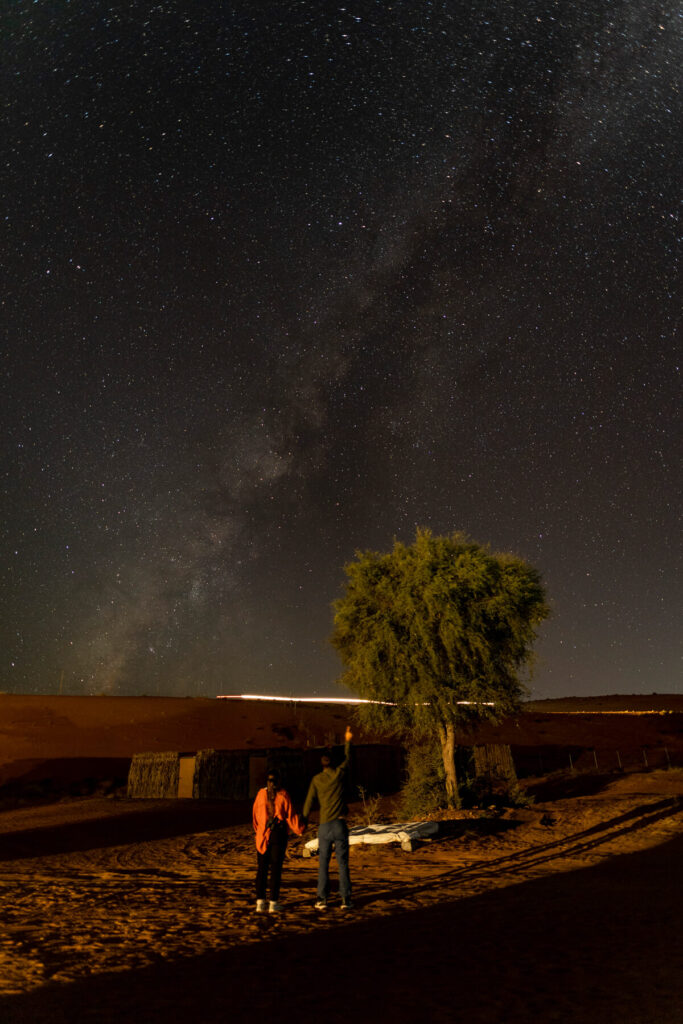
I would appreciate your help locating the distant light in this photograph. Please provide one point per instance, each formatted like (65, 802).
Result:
(297, 700)
(329, 700)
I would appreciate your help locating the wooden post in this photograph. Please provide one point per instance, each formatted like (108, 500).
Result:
(645, 757)
(571, 763)
(595, 758)
(619, 761)
(668, 759)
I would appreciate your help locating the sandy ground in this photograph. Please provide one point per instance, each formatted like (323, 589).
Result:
(565, 910)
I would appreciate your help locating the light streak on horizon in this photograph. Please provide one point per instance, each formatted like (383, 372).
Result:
(326, 700)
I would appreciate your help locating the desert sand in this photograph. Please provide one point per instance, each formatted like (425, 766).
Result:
(567, 909)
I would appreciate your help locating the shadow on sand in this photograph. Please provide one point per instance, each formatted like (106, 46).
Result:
(563, 785)
(521, 861)
(51, 778)
(595, 946)
(175, 818)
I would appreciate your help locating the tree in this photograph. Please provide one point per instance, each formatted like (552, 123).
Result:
(437, 632)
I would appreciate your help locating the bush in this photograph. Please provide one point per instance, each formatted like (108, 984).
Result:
(494, 789)
(424, 790)
(371, 807)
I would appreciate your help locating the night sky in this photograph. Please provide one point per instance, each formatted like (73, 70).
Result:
(285, 280)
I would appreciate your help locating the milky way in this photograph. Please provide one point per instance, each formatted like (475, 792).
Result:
(286, 280)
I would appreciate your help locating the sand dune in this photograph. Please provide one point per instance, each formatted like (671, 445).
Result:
(70, 738)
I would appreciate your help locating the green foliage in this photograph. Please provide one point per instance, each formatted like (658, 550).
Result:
(371, 806)
(494, 789)
(519, 797)
(424, 789)
(436, 635)
(435, 622)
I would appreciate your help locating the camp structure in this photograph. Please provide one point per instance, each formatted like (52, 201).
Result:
(201, 774)
(239, 774)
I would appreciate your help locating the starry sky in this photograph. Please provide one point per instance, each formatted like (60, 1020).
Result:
(283, 280)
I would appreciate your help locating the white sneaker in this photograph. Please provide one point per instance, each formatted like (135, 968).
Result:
(260, 906)
(274, 907)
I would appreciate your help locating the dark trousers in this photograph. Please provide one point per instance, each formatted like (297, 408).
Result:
(270, 863)
(333, 834)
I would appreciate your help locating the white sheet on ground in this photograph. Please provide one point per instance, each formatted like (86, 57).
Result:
(402, 833)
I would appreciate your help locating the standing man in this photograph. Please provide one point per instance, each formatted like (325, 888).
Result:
(327, 788)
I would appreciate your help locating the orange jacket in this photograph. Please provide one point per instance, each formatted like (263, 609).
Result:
(284, 811)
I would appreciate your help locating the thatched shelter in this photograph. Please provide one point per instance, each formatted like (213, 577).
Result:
(494, 759)
(154, 776)
(238, 774)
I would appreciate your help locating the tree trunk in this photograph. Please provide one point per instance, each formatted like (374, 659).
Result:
(447, 738)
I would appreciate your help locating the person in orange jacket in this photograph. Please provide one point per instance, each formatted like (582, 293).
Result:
(273, 814)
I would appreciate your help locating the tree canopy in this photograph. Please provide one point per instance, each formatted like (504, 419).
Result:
(433, 623)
